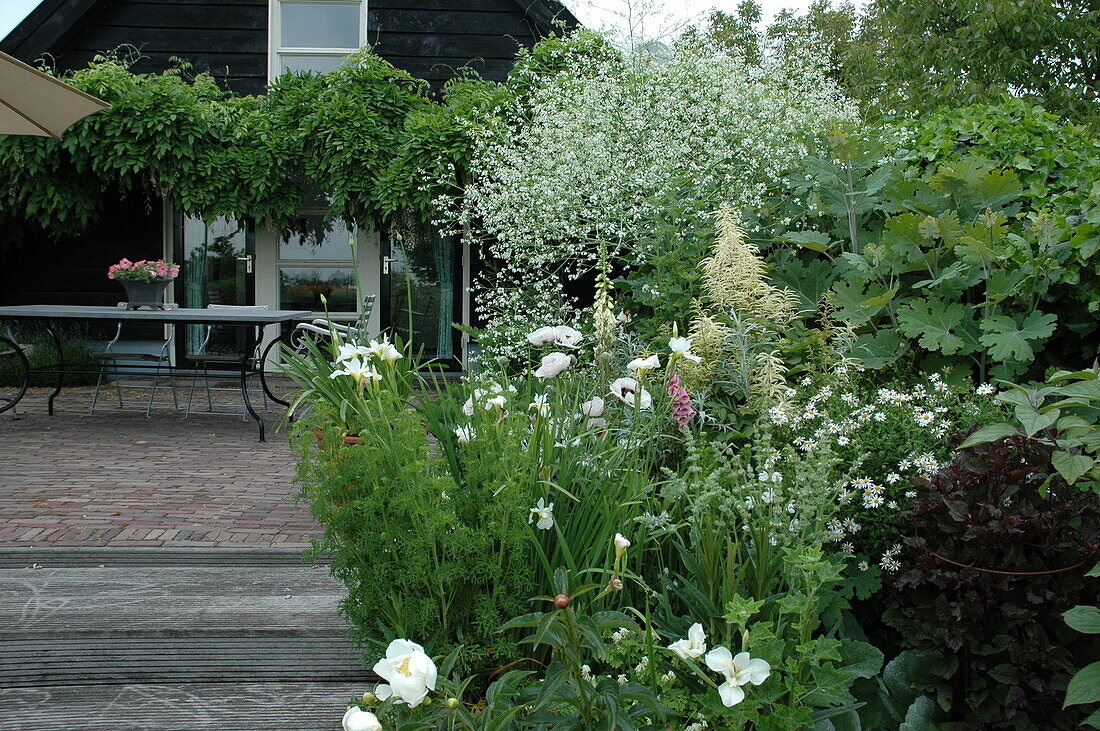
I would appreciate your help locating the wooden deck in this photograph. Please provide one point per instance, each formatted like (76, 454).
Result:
(196, 639)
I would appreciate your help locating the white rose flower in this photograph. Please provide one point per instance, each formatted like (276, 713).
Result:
(553, 364)
(356, 719)
(593, 407)
(625, 389)
(409, 671)
(694, 646)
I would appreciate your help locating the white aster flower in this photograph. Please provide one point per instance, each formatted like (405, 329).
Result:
(986, 389)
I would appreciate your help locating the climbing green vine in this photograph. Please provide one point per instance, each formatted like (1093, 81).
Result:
(367, 134)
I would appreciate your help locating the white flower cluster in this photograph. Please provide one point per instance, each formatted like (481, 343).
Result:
(607, 136)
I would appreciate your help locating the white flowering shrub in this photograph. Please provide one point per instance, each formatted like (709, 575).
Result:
(605, 137)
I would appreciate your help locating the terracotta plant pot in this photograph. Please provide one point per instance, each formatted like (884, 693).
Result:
(348, 438)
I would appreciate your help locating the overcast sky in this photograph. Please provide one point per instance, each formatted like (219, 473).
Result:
(661, 16)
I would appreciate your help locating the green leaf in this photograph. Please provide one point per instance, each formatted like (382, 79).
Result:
(934, 324)
(1084, 686)
(1034, 421)
(860, 659)
(1071, 466)
(919, 715)
(878, 350)
(990, 433)
(1008, 340)
(880, 300)
(813, 240)
(1084, 618)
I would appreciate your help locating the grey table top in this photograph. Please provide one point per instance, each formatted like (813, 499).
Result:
(179, 315)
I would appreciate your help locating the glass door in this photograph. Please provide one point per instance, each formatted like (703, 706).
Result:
(217, 267)
(421, 286)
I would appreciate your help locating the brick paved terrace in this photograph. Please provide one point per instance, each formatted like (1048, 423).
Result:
(119, 479)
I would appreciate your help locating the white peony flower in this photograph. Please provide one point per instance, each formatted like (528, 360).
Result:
(593, 407)
(739, 669)
(694, 646)
(625, 390)
(356, 719)
(641, 365)
(682, 348)
(544, 513)
(409, 671)
(553, 364)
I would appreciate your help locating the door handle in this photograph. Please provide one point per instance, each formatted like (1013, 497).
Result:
(386, 260)
(247, 263)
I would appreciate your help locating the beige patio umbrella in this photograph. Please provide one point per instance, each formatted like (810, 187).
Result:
(34, 103)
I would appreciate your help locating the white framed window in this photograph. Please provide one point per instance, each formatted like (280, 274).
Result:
(313, 35)
(320, 262)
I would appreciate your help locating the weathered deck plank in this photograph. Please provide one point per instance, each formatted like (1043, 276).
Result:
(190, 707)
(154, 638)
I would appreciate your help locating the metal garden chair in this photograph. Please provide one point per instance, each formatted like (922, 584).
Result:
(109, 359)
(203, 359)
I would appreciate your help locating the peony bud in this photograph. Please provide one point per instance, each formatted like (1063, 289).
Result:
(453, 703)
(561, 601)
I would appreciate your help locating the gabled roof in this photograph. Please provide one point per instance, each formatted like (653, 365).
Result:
(47, 23)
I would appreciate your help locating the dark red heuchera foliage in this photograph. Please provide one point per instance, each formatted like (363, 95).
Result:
(990, 565)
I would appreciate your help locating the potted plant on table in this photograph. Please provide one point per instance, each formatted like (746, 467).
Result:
(144, 281)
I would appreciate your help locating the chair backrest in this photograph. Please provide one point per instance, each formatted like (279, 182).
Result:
(368, 307)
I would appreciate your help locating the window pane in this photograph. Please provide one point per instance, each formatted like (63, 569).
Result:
(320, 25)
(319, 64)
(424, 266)
(323, 241)
(300, 288)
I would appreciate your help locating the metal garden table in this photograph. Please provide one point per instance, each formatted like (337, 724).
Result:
(252, 321)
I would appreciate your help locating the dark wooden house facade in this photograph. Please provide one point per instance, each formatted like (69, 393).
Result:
(244, 44)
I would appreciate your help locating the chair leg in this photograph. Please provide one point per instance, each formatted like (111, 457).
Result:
(191, 395)
(152, 392)
(206, 383)
(117, 372)
(95, 396)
